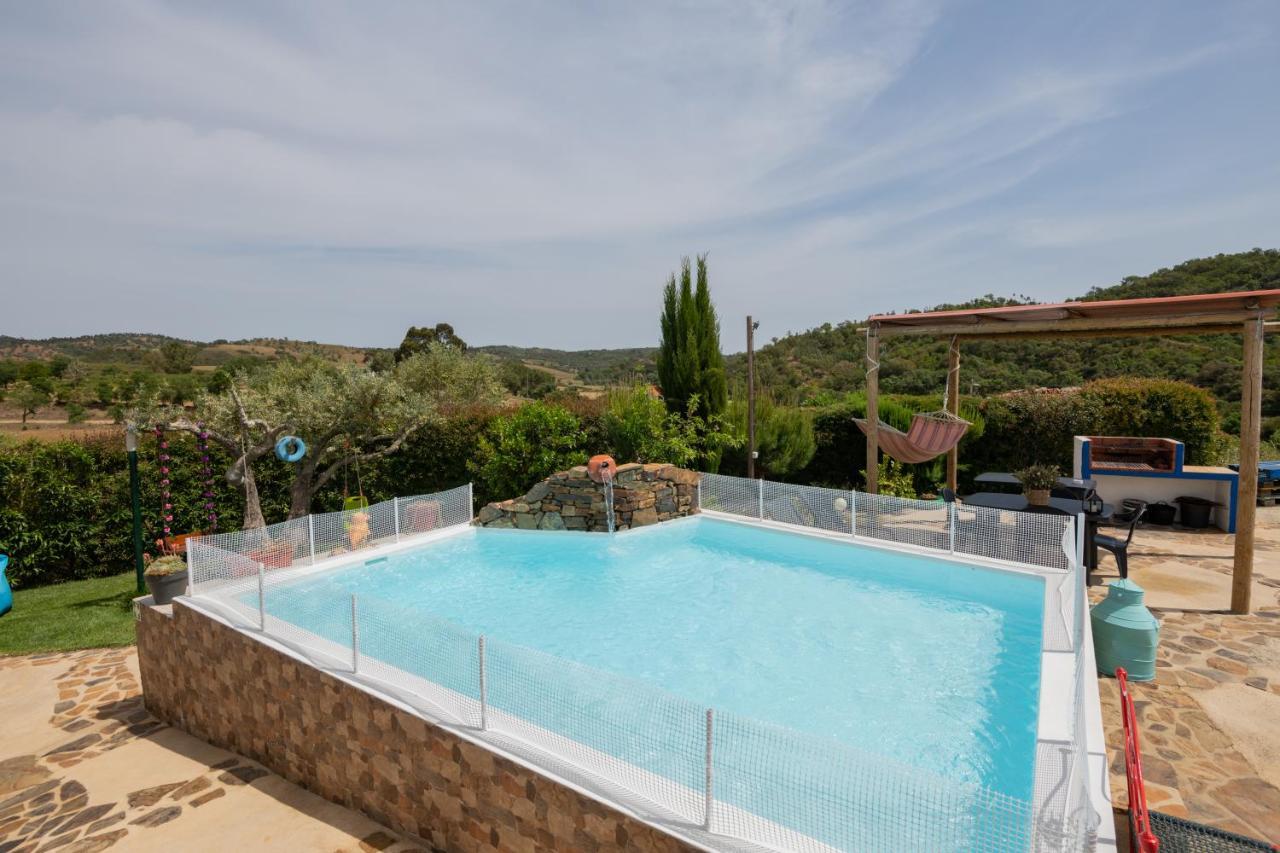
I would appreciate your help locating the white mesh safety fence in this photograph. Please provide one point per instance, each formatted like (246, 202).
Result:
(226, 558)
(1034, 539)
(728, 781)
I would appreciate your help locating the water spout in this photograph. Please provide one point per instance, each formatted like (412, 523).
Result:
(606, 474)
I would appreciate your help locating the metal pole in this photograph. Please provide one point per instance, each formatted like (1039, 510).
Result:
(355, 637)
(709, 789)
(311, 536)
(760, 489)
(951, 524)
(853, 512)
(751, 398)
(484, 689)
(471, 500)
(262, 597)
(395, 509)
(135, 497)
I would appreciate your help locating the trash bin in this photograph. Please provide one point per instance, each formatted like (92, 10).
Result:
(1196, 512)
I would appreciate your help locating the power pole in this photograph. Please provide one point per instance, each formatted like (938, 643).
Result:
(751, 398)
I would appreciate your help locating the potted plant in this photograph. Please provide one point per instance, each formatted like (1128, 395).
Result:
(1037, 482)
(166, 578)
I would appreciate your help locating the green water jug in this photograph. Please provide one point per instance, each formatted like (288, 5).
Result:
(1125, 633)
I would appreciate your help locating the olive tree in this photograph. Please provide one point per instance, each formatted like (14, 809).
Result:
(345, 413)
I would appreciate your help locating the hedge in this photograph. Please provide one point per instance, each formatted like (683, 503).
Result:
(64, 505)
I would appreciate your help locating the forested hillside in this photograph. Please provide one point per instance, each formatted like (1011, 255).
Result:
(827, 361)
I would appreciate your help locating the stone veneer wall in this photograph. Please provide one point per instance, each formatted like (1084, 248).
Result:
(358, 750)
(571, 500)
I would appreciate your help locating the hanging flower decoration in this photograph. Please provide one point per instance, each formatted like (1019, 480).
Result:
(206, 468)
(166, 499)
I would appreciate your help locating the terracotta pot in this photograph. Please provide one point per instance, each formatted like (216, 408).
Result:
(1037, 497)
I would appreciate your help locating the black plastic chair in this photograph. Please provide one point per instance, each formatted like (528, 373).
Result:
(1120, 547)
(949, 495)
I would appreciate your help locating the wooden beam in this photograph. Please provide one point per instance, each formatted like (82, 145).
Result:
(981, 326)
(873, 412)
(1250, 436)
(953, 406)
(1223, 329)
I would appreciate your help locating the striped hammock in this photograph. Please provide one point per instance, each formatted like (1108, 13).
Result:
(929, 436)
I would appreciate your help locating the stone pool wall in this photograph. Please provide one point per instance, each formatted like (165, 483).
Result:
(571, 500)
(354, 748)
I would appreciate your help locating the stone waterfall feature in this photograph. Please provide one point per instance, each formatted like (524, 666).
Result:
(571, 500)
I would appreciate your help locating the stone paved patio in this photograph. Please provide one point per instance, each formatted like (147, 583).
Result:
(84, 767)
(1210, 722)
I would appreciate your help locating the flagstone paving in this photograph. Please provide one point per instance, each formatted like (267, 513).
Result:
(84, 767)
(1210, 722)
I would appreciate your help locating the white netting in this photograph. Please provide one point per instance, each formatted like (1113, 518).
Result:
(923, 524)
(790, 791)
(734, 495)
(732, 784)
(223, 558)
(809, 506)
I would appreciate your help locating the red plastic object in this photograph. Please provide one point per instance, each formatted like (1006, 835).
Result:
(1141, 838)
(597, 465)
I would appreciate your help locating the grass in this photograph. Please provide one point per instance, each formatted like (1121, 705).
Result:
(75, 615)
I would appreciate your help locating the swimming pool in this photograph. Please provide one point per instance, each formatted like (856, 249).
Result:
(922, 662)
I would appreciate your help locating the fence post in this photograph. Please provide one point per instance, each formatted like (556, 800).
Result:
(395, 510)
(311, 536)
(760, 483)
(484, 689)
(951, 525)
(471, 502)
(355, 637)
(709, 789)
(262, 597)
(853, 512)
(699, 493)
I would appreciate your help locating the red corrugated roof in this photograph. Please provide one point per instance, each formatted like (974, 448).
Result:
(1169, 306)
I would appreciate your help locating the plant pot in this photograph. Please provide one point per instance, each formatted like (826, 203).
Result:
(1160, 513)
(1196, 512)
(1037, 497)
(165, 588)
(278, 555)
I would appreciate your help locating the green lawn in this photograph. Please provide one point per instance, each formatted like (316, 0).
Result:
(76, 615)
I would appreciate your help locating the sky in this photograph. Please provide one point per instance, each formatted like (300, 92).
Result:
(533, 172)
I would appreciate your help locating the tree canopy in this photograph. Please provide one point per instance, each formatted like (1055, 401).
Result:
(419, 338)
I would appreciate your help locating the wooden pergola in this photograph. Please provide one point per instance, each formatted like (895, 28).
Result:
(1249, 314)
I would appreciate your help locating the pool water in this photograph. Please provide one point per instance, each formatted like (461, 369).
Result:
(927, 662)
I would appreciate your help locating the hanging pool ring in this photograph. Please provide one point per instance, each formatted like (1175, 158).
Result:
(290, 448)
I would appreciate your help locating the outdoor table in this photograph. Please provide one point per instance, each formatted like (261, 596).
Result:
(1057, 506)
(1079, 488)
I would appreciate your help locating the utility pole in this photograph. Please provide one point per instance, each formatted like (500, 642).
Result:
(751, 398)
(131, 450)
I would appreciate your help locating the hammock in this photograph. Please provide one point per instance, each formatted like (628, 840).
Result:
(930, 435)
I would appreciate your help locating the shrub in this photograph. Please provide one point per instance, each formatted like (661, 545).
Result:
(784, 438)
(526, 446)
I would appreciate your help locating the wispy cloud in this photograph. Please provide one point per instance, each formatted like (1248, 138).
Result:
(497, 166)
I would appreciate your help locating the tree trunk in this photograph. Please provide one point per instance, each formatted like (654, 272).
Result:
(252, 505)
(302, 490)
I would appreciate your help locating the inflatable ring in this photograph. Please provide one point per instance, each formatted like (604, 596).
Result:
(290, 448)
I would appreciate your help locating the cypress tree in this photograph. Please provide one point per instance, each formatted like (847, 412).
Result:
(689, 360)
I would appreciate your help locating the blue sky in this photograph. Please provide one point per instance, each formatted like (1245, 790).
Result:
(531, 173)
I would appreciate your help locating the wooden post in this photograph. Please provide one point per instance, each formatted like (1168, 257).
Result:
(1250, 434)
(953, 406)
(873, 410)
(751, 399)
